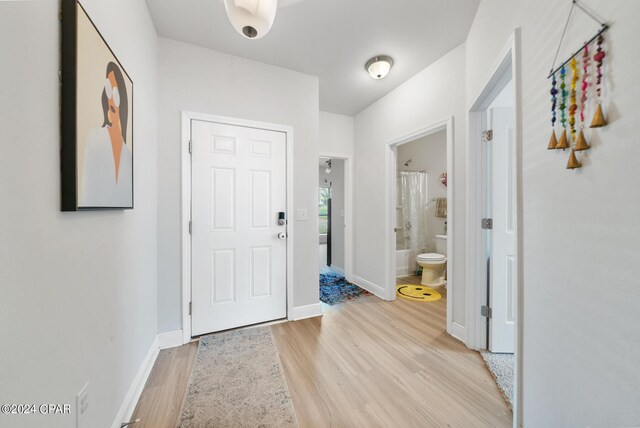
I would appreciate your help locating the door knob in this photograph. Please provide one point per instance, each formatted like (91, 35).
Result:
(282, 235)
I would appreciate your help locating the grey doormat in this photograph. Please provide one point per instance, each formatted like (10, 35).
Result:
(237, 381)
(501, 367)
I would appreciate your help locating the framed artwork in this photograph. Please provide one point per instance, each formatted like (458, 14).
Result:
(96, 118)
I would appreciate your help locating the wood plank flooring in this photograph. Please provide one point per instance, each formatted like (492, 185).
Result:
(365, 363)
(161, 399)
(369, 363)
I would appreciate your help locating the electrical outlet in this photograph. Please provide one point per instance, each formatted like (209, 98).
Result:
(301, 214)
(82, 407)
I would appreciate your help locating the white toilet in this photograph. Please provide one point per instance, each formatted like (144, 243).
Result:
(434, 265)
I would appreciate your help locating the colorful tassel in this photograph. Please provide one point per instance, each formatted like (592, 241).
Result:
(599, 119)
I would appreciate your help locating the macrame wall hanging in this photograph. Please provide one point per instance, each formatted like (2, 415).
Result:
(574, 98)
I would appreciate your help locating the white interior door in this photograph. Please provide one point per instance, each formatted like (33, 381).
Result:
(238, 249)
(502, 285)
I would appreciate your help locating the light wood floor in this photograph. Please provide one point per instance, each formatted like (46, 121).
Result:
(365, 363)
(161, 399)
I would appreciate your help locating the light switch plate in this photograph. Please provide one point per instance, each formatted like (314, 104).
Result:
(301, 214)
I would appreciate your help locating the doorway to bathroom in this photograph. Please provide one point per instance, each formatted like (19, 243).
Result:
(421, 208)
(420, 211)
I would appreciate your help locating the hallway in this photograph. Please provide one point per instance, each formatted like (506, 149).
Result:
(371, 363)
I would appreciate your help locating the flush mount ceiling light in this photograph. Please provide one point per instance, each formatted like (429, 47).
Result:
(379, 66)
(251, 18)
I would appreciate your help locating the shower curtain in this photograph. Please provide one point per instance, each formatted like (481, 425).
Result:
(413, 199)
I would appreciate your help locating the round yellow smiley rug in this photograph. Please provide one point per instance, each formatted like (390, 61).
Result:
(418, 293)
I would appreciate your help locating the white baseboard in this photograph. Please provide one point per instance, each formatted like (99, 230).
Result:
(337, 270)
(307, 311)
(133, 394)
(459, 332)
(170, 339)
(370, 287)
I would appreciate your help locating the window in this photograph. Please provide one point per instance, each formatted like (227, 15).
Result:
(324, 194)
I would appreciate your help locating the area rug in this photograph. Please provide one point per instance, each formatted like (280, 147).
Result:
(334, 288)
(418, 293)
(237, 381)
(501, 367)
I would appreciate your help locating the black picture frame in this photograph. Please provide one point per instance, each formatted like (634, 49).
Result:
(69, 138)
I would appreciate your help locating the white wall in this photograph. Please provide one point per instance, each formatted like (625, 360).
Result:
(204, 81)
(581, 228)
(433, 95)
(337, 180)
(78, 289)
(428, 154)
(336, 133)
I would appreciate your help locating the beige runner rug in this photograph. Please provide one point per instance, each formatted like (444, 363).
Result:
(237, 381)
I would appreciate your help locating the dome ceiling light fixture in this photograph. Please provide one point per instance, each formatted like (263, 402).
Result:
(378, 66)
(251, 18)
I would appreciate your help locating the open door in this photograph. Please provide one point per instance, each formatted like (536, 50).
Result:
(501, 203)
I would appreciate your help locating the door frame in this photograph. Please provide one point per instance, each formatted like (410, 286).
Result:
(348, 209)
(509, 61)
(391, 154)
(187, 117)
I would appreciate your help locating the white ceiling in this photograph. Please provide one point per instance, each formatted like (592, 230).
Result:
(331, 39)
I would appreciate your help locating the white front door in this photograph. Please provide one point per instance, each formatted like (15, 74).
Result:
(239, 251)
(502, 204)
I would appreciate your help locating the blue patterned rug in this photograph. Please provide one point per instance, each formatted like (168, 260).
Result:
(334, 288)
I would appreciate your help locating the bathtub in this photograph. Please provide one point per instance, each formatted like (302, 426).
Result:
(404, 266)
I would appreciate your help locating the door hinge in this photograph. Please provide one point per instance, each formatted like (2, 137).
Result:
(190, 308)
(487, 223)
(190, 227)
(487, 136)
(190, 146)
(485, 311)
